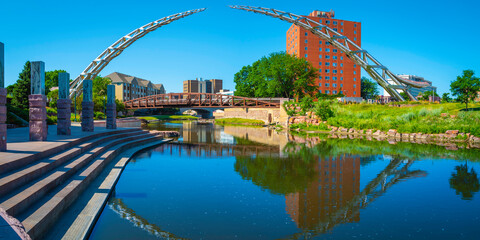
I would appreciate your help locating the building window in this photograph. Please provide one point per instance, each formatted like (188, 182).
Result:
(341, 23)
(319, 70)
(319, 56)
(327, 57)
(334, 22)
(341, 78)
(320, 42)
(354, 72)
(327, 71)
(327, 43)
(354, 39)
(341, 30)
(354, 32)
(327, 85)
(327, 64)
(334, 85)
(327, 92)
(354, 93)
(320, 91)
(334, 50)
(320, 77)
(334, 29)
(327, 22)
(334, 91)
(334, 57)
(320, 49)
(354, 65)
(341, 71)
(355, 25)
(354, 79)
(306, 34)
(354, 86)
(334, 64)
(306, 48)
(306, 55)
(319, 84)
(327, 78)
(319, 63)
(334, 79)
(341, 85)
(327, 49)
(334, 71)
(306, 41)
(341, 58)
(341, 64)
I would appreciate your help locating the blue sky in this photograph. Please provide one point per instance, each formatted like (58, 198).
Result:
(433, 39)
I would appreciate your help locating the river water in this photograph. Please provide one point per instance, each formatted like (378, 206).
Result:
(228, 182)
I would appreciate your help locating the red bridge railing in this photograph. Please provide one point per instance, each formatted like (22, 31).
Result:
(198, 100)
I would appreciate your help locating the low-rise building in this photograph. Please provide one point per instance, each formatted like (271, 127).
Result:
(129, 87)
(414, 91)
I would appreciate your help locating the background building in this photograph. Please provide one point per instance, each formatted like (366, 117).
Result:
(414, 91)
(202, 86)
(338, 74)
(129, 87)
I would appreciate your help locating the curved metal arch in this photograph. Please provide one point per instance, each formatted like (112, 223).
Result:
(121, 44)
(352, 50)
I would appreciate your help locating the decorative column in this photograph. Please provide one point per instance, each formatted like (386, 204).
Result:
(111, 108)
(3, 101)
(87, 106)
(63, 105)
(38, 102)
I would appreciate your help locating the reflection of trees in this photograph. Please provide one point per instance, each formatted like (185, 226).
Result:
(464, 182)
(278, 175)
(118, 206)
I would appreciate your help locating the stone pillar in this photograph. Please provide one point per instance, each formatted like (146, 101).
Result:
(87, 106)
(3, 101)
(111, 108)
(38, 102)
(63, 105)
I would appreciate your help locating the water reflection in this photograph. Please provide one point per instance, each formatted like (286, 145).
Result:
(464, 182)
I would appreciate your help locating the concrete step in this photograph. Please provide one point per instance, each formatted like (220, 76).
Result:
(47, 211)
(26, 196)
(7, 165)
(15, 179)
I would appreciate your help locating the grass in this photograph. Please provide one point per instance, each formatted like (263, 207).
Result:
(423, 117)
(304, 126)
(239, 121)
(168, 117)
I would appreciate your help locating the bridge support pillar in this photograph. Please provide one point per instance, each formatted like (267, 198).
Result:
(64, 105)
(3, 101)
(38, 102)
(111, 108)
(87, 106)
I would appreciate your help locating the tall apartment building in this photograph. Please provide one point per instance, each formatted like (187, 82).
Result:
(338, 74)
(129, 87)
(202, 86)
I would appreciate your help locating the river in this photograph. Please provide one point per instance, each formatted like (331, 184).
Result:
(230, 182)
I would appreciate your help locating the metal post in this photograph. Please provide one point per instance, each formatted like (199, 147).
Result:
(75, 107)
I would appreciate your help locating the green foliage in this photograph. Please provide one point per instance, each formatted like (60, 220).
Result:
(464, 182)
(404, 95)
(369, 89)
(425, 95)
(466, 87)
(21, 89)
(167, 117)
(51, 79)
(99, 103)
(290, 107)
(100, 86)
(323, 109)
(52, 96)
(325, 96)
(306, 104)
(51, 120)
(310, 127)
(278, 75)
(239, 121)
(51, 111)
(99, 115)
(446, 98)
(120, 106)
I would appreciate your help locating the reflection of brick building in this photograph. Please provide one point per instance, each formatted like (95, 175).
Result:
(337, 183)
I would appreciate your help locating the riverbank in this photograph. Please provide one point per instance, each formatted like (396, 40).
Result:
(154, 118)
(239, 121)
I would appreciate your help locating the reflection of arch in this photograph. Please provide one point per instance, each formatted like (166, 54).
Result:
(354, 52)
(117, 205)
(117, 48)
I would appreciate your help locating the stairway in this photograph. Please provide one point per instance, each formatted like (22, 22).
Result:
(38, 192)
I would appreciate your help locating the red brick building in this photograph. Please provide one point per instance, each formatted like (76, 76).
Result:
(338, 74)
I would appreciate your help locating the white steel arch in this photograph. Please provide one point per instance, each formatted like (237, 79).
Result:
(352, 50)
(117, 48)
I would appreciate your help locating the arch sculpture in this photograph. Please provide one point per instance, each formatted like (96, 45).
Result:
(360, 56)
(121, 44)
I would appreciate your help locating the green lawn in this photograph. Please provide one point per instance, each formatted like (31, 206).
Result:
(168, 117)
(239, 121)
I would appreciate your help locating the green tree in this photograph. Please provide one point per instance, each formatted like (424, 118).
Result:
(446, 98)
(369, 89)
(53, 97)
(425, 96)
(466, 87)
(51, 79)
(404, 95)
(100, 85)
(464, 182)
(278, 75)
(21, 88)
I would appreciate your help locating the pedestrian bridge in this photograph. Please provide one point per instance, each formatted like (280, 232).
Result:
(199, 100)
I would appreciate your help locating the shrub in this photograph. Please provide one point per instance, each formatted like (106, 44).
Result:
(290, 107)
(323, 110)
(306, 104)
(51, 120)
(99, 115)
(51, 112)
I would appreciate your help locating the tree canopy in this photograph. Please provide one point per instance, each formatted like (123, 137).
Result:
(51, 79)
(466, 87)
(21, 89)
(278, 75)
(369, 89)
